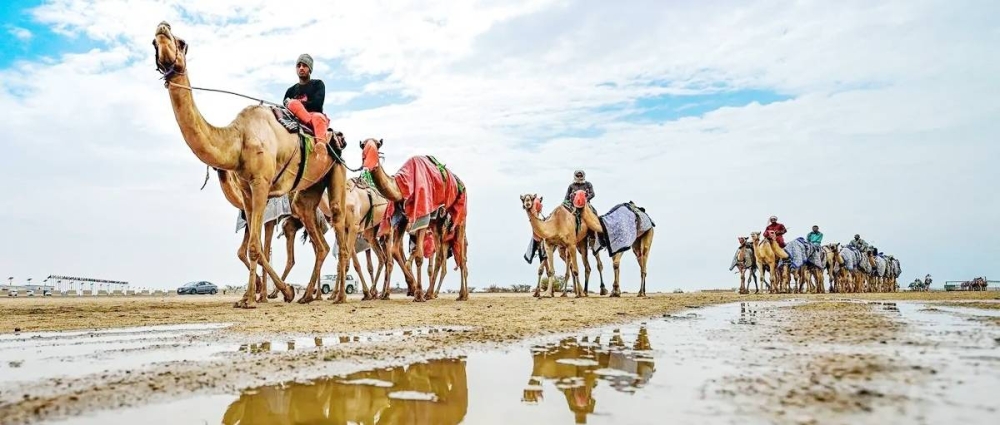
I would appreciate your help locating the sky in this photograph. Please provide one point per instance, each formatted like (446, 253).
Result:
(878, 118)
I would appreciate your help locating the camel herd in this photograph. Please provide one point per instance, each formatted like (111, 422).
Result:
(800, 266)
(265, 155)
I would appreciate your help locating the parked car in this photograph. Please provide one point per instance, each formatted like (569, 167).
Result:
(327, 282)
(12, 292)
(199, 287)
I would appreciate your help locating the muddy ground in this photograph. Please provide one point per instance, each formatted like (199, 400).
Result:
(831, 379)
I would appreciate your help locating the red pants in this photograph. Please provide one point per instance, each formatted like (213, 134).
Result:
(317, 120)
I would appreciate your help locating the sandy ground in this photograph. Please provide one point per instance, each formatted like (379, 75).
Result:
(813, 377)
(511, 315)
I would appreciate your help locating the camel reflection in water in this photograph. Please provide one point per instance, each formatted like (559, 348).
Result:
(576, 376)
(337, 401)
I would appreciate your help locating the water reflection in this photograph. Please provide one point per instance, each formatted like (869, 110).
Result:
(575, 366)
(435, 392)
(748, 314)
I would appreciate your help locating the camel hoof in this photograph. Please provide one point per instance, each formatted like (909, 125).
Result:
(604, 292)
(418, 299)
(290, 296)
(537, 295)
(244, 304)
(616, 295)
(338, 300)
(563, 295)
(273, 295)
(306, 299)
(641, 295)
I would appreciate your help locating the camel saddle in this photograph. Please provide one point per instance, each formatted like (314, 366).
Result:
(314, 163)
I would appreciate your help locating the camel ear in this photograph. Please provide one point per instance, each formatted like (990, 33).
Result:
(361, 144)
(182, 45)
(380, 143)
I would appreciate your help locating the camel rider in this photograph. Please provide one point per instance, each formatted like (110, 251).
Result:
(815, 237)
(858, 244)
(305, 98)
(579, 183)
(778, 229)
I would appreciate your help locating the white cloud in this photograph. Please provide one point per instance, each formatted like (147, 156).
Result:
(888, 132)
(22, 34)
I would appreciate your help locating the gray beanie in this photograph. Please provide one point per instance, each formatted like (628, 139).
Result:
(306, 59)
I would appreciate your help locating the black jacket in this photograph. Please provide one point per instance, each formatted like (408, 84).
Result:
(585, 186)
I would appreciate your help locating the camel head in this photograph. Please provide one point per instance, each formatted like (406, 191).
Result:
(369, 153)
(170, 51)
(532, 203)
(755, 236)
(579, 199)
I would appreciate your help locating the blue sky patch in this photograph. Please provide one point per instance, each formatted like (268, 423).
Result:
(671, 107)
(16, 21)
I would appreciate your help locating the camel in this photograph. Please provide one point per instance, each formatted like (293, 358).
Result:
(259, 150)
(768, 253)
(429, 190)
(641, 244)
(290, 226)
(589, 240)
(834, 263)
(744, 260)
(558, 231)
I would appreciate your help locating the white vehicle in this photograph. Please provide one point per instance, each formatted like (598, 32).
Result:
(30, 292)
(328, 281)
(12, 292)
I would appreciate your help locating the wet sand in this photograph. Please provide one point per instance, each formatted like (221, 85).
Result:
(251, 349)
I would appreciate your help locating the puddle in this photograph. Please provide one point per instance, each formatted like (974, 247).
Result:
(662, 370)
(27, 357)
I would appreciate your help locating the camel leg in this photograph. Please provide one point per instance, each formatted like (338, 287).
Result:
(756, 284)
(361, 276)
(571, 267)
(616, 263)
(380, 253)
(390, 248)
(403, 261)
(336, 191)
(288, 229)
(544, 265)
(433, 261)
(341, 295)
(582, 249)
(304, 207)
(641, 249)
(743, 272)
(418, 257)
(463, 262)
(600, 265)
(254, 210)
(369, 265)
(268, 236)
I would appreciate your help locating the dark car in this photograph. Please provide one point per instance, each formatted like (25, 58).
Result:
(198, 288)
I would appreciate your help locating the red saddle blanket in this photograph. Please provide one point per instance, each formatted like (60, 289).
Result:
(427, 188)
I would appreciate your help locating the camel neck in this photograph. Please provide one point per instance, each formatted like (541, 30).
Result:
(214, 146)
(542, 228)
(386, 184)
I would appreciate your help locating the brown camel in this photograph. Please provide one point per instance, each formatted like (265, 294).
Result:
(588, 241)
(745, 261)
(559, 231)
(428, 187)
(640, 247)
(834, 263)
(291, 225)
(259, 150)
(767, 260)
